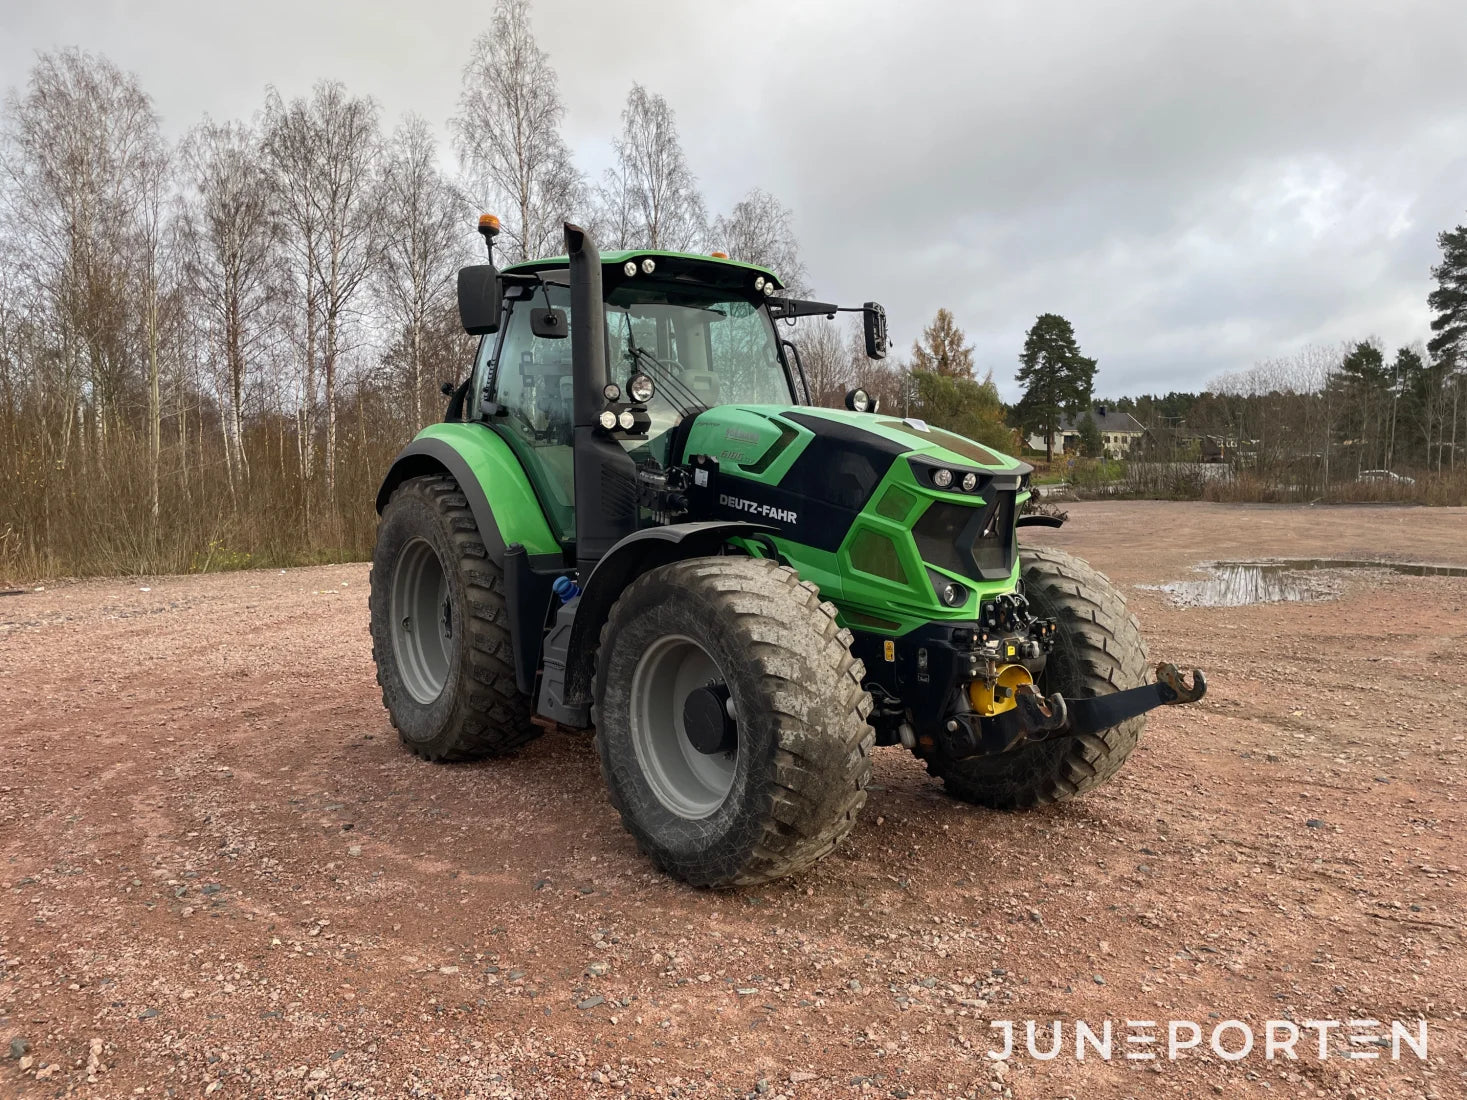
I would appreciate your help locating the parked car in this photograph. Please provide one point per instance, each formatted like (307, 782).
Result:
(1387, 477)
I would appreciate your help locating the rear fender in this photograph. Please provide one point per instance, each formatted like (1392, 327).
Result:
(484, 467)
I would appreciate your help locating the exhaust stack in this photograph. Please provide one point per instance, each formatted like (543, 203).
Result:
(605, 475)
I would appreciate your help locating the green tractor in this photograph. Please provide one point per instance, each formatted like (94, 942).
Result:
(632, 519)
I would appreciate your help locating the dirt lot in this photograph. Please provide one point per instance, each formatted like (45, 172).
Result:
(222, 876)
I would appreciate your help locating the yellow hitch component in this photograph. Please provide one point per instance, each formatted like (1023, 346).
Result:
(997, 697)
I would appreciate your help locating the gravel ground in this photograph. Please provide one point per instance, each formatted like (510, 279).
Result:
(222, 876)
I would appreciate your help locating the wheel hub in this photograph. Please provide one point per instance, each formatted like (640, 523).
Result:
(707, 721)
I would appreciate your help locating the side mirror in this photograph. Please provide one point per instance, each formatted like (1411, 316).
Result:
(478, 299)
(875, 324)
(549, 324)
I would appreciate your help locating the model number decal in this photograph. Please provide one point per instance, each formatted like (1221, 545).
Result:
(768, 511)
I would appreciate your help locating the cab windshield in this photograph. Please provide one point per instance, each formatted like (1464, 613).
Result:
(700, 346)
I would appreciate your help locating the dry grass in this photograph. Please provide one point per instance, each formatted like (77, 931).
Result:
(92, 515)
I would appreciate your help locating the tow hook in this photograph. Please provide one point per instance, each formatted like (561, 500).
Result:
(1168, 677)
(1037, 718)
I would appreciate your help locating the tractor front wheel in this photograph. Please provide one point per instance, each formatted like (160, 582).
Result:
(730, 720)
(1098, 649)
(439, 634)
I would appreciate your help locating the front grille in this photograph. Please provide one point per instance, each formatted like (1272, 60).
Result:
(993, 546)
(937, 534)
(975, 542)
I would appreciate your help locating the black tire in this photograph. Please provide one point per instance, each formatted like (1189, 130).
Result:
(479, 711)
(1098, 650)
(798, 775)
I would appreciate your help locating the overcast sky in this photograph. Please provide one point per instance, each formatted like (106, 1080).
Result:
(1195, 186)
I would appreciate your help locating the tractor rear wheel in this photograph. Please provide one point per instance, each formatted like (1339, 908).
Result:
(730, 720)
(439, 634)
(1098, 649)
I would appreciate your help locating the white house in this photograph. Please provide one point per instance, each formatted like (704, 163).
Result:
(1119, 431)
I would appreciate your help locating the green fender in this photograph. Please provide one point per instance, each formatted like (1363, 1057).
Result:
(492, 480)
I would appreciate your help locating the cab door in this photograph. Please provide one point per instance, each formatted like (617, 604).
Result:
(528, 400)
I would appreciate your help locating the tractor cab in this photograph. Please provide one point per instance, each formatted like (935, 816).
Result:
(681, 333)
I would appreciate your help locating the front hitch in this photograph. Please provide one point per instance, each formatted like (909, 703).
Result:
(1037, 718)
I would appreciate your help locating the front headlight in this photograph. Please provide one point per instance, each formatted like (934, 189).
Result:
(953, 594)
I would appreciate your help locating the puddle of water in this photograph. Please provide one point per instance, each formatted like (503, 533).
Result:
(1294, 580)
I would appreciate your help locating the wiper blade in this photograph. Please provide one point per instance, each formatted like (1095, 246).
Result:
(667, 376)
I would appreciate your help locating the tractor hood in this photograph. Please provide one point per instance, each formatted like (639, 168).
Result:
(819, 476)
(762, 438)
(913, 435)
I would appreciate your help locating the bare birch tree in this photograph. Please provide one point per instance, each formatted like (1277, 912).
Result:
(325, 150)
(289, 143)
(507, 134)
(231, 234)
(614, 214)
(424, 226)
(758, 231)
(81, 149)
(149, 242)
(825, 359)
(662, 192)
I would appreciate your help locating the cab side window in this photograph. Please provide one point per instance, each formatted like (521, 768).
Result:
(532, 385)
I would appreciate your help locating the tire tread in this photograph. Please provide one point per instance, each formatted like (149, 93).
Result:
(491, 717)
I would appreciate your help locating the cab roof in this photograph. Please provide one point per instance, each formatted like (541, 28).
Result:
(621, 256)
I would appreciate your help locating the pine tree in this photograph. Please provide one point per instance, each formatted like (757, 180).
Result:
(1091, 445)
(1448, 344)
(1056, 378)
(942, 350)
(1449, 300)
(1363, 385)
(1405, 372)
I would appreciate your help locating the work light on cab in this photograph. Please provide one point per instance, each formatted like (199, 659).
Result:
(640, 388)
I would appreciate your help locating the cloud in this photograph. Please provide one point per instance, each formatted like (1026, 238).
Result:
(1194, 186)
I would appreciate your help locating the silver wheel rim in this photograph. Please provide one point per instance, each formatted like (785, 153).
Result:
(689, 783)
(422, 621)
